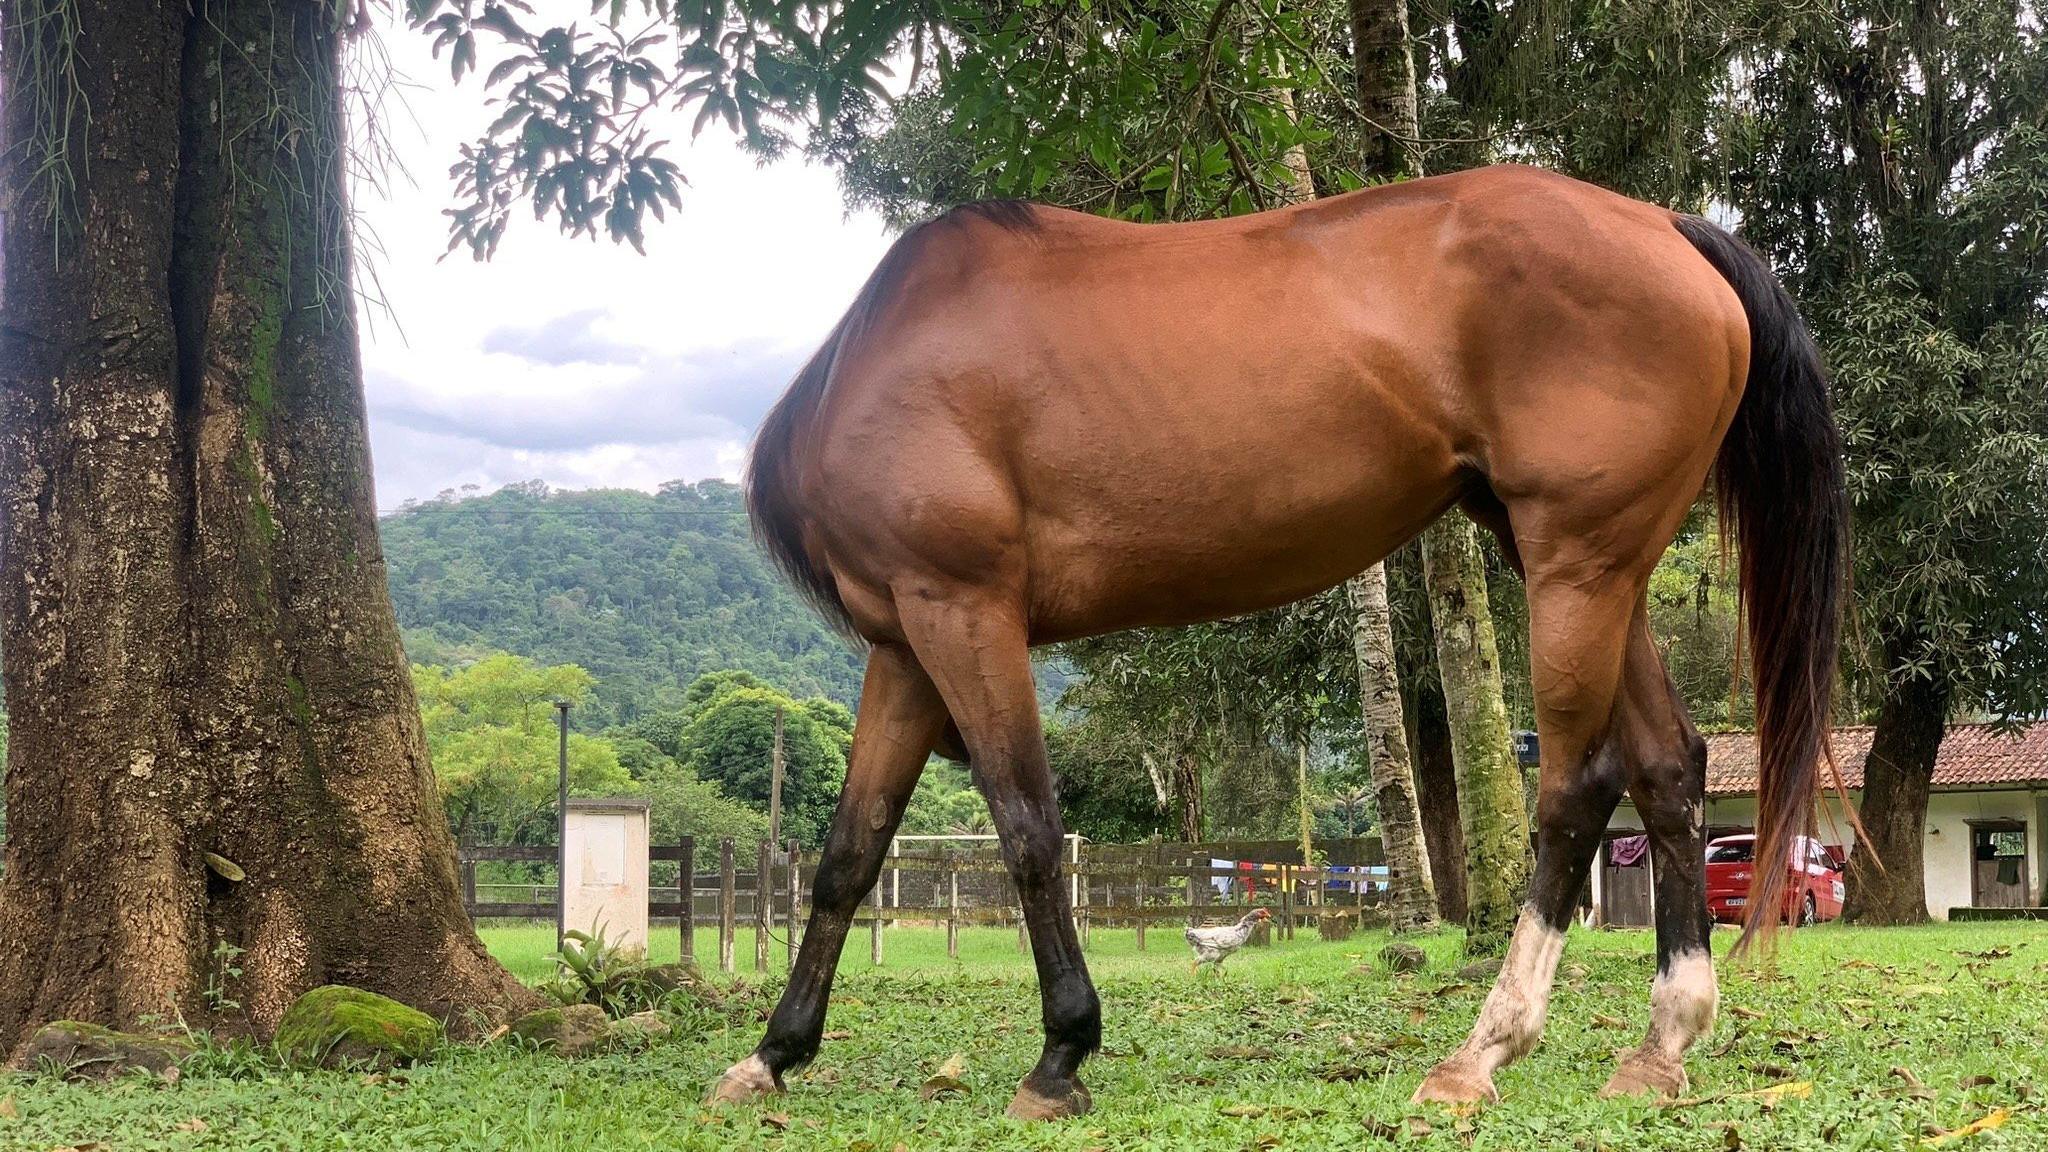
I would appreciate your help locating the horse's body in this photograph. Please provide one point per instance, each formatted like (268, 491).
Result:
(1035, 425)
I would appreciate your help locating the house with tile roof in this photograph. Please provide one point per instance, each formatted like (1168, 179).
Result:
(1987, 819)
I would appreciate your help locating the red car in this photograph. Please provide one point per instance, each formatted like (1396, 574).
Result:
(1813, 880)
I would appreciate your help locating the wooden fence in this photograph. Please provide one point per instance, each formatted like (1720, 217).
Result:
(1134, 886)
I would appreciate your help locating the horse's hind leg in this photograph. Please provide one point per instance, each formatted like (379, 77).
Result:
(900, 719)
(1580, 608)
(1667, 763)
(974, 644)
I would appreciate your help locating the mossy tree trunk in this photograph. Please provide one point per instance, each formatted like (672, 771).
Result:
(201, 657)
(1490, 796)
(1887, 875)
(1412, 889)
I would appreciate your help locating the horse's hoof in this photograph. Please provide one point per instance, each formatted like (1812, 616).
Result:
(1031, 1104)
(1647, 1074)
(747, 1081)
(1456, 1082)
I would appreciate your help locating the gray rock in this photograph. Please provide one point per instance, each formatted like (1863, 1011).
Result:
(575, 1030)
(91, 1052)
(1403, 957)
(1480, 971)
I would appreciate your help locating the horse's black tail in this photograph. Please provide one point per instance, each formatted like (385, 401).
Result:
(1782, 495)
(771, 483)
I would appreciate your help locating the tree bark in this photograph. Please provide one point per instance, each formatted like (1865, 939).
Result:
(1386, 88)
(1187, 787)
(201, 658)
(1496, 824)
(1887, 883)
(1436, 792)
(1412, 890)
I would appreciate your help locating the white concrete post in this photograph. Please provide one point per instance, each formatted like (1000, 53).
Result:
(605, 869)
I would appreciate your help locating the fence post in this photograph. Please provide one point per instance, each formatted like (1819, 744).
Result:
(468, 878)
(795, 897)
(688, 880)
(728, 896)
(764, 909)
(1141, 907)
(875, 930)
(952, 909)
(1286, 902)
(1083, 888)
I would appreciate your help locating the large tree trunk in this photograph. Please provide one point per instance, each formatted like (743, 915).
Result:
(201, 659)
(1411, 888)
(1490, 798)
(1887, 883)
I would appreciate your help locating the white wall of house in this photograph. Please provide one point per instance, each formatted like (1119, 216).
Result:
(1948, 860)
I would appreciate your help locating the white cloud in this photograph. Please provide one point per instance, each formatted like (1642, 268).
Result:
(581, 363)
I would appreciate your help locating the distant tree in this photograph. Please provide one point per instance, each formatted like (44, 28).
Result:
(946, 803)
(1890, 159)
(729, 740)
(491, 730)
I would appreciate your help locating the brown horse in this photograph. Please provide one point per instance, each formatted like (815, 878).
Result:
(1034, 425)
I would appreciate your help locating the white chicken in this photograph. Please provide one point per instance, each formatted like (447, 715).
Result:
(1213, 945)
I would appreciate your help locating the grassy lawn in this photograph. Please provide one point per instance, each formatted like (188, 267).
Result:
(1899, 1034)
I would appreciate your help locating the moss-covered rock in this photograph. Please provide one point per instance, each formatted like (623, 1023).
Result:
(1403, 957)
(337, 1026)
(92, 1052)
(569, 1031)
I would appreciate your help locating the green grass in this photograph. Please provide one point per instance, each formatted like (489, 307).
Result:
(1307, 1045)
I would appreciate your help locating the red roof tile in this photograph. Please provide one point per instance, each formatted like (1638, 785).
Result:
(1972, 756)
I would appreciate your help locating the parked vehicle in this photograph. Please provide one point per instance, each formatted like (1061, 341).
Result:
(1813, 882)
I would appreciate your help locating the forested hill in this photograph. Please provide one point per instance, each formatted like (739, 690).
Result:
(644, 590)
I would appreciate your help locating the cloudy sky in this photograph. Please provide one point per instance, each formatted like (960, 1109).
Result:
(577, 363)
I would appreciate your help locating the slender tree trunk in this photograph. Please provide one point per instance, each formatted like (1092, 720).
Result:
(201, 658)
(1386, 88)
(1187, 786)
(1887, 883)
(1412, 890)
(1496, 825)
(1436, 789)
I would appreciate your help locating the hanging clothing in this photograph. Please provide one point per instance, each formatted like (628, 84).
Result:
(1627, 851)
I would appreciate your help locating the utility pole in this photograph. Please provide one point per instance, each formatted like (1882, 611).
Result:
(562, 823)
(775, 785)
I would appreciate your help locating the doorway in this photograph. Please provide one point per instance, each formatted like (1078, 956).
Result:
(1998, 864)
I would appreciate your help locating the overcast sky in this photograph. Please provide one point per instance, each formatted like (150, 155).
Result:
(584, 364)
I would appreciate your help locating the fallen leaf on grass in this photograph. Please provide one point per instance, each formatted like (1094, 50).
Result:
(1978, 1081)
(776, 1120)
(1789, 1090)
(7, 1109)
(1241, 1052)
(1244, 1110)
(1603, 1020)
(1746, 1013)
(947, 1079)
(837, 1034)
(1996, 1118)
(1380, 1129)
(195, 1124)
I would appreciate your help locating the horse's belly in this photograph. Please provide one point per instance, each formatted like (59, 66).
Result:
(1243, 514)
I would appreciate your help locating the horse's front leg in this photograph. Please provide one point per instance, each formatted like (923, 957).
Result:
(900, 720)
